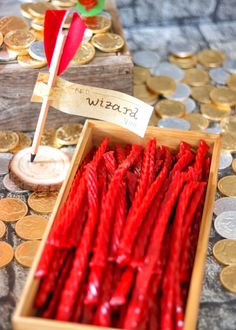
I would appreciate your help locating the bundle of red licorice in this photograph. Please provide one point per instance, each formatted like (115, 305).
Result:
(121, 249)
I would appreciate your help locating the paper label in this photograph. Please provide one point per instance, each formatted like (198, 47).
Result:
(98, 103)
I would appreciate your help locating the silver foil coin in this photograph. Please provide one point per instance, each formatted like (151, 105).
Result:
(225, 160)
(219, 75)
(176, 123)
(190, 105)
(36, 51)
(11, 186)
(224, 204)
(146, 59)
(181, 93)
(183, 49)
(4, 162)
(168, 70)
(230, 66)
(225, 224)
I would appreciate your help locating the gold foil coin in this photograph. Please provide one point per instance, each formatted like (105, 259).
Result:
(1, 39)
(227, 185)
(197, 121)
(98, 24)
(184, 63)
(6, 254)
(18, 52)
(19, 39)
(69, 134)
(26, 252)
(140, 75)
(223, 96)
(108, 42)
(228, 278)
(63, 3)
(24, 8)
(228, 142)
(31, 227)
(231, 82)
(211, 58)
(38, 24)
(24, 142)
(10, 23)
(84, 54)
(228, 125)
(161, 85)
(8, 140)
(28, 62)
(42, 202)
(12, 209)
(196, 77)
(38, 35)
(170, 108)
(202, 93)
(38, 9)
(225, 251)
(49, 138)
(212, 113)
(2, 229)
(234, 165)
(142, 93)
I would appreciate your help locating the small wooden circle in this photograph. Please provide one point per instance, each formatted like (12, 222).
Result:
(46, 173)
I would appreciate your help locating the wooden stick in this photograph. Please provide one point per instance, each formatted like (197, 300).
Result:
(46, 102)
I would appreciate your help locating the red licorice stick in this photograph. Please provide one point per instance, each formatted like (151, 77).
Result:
(100, 255)
(134, 220)
(183, 147)
(173, 261)
(120, 153)
(88, 312)
(78, 225)
(132, 181)
(78, 308)
(201, 154)
(168, 161)
(49, 312)
(73, 283)
(49, 282)
(110, 163)
(206, 168)
(183, 162)
(123, 287)
(152, 169)
(153, 254)
(179, 305)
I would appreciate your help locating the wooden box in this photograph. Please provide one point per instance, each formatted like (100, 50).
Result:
(93, 133)
(107, 70)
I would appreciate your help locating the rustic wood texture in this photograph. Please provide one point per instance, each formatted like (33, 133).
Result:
(112, 71)
(93, 133)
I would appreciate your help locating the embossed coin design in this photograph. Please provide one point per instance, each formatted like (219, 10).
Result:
(229, 125)
(227, 185)
(211, 58)
(11, 186)
(225, 224)
(4, 162)
(69, 134)
(84, 54)
(6, 254)
(36, 51)
(25, 252)
(31, 227)
(8, 140)
(212, 113)
(224, 204)
(197, 121)
(24, 142)
(19, 39)
(202, 93)
(12, 209)
(2, 229)
(108, 42)
(225, 251)
(196, 77)
(225, 159)
(161, 85)
(98, 24)
(228, 142)
(49, 138)
(42, 202)
(228, 278)
(170, 108)
(223, 96)
(10, 23)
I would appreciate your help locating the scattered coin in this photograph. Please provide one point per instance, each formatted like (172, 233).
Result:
(10, 23)
(228, 278)
(42, 202)
(146, 59)
(36, 51)
(69, 134)
(24, 142)
(6, 56)
(106, 13)
(108, 42)
(98, 24)
(175, 123)
(184, 63)
(230, 66)
(4, 162)
(6, 254)
(140, 75)
(49, 138)
(12, 209)
(228, 142)
(225, 251)
(196, 77)
(212, 113)
(225, 224)
(2, 229)
(63, 3)
(18, 52)
(38, 24)
(161, 85)
(170, 108)
(25, 252)
(144, 94)
(224, 204)
(211, 58)
(190, 105)
(197, 121)
(87, 35)
(213, 130)
(227, 185)
(84, 54)
(19, 39)
(1, 39)
(219, 75)
(24, 8)
(31, 227)
(11, 186)
(183, 49)
(8, 140)
(231, 82)
(223, 96)
(169, 70)
(38, 9)
(234, 165)
(229, 125)
(181, 93)
(28, 62)
(202, 93)
(225, 159)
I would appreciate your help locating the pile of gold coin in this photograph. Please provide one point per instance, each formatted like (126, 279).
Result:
(199, 88)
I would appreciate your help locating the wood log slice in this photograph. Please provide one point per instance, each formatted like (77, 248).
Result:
(46, 173)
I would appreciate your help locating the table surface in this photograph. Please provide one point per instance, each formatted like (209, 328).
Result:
(217, 307)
